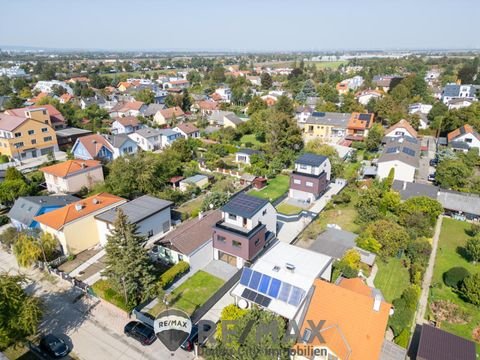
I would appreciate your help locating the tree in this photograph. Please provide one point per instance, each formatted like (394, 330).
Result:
(145, 95)
(13, 102)
(218, 74)
(27, 250)
(10, 190)
(214, 200)
(421, 205)
(20, 312)
(194, 77)
(284, 105)
(349, 264)
(127, 263)
(467, 73)
(266, 81)
(186, 101)
(391, 236)
(472, 248)
(374, 137)
(454, 277)
(256, 104)
(470, 288)
(8, 237)
(453, 174)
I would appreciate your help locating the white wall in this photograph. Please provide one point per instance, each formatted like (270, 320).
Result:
(470, 139)
(326, 166)
(269, 219)
(73, 183)
(398, 132)
(403, 172)
(301, 195)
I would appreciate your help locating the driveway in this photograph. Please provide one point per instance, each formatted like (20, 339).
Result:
(425, 169)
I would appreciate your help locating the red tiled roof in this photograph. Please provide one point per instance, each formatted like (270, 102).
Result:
(208, 105)
(93, 144)
(70, 167)
(465, 129)
(170, 112)
(128, 121)
(55, 115)
(187, 128)
(403, 124)
(356, 123)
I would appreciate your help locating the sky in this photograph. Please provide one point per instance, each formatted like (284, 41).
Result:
(242, 25)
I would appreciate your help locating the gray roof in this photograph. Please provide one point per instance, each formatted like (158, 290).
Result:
(408, 190)
(329, 118)
(311, 159)
(194, 179)
(404, 149)
(392, 351)
(244, 205)
(117, 140)
(71, 131)
(27, 207)
(148, 132)
(457, 201)
(439, 344)
(234, 118)
(248, 151)
(334, 242)
(168, 132)
(459, 145)
(153, 108)
(136, 210)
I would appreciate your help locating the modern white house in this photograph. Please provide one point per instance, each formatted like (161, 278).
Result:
(48, 86)
(401, 129)
(281, 279)
(187, 130)
(151, 215)
(126, 125)
(310, 178)
(148, 139)
(168, 136)
(224, 93)
(72, 175)
(402, 154)
(464, 138)
(456, 91)
(364, 97)
(456, 104)
(419, 108)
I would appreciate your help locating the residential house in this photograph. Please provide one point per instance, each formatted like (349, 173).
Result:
(386, 82)
(408, 190)
(270, 99)
(310, 178)
(92, 147)
(26, 208)
(36, 99)
(27, 136)
(168, 136)
(419, 108)
(346, 85)
(402, 154)
(336, 242)
(48, 86)
(225, 119)
(327, 126)
(148, 139)
(167, 116)
(13, 71)
(126, 125)
(187, 130)
(72, 175)
(359, 125)
(66, 137)
(177, 84)
(354, 317)
(437, 344)
(302, 113)
(281, 279)
(151, 215)
(365, 96)
(456, 91)
(57, 121)
(65, 98)
(121, 145)
(97, 99)
(464, 138)
(124, 85)
(456, 104)
(191, 241)
(198, 180)
(401, 129)
(255, 80)
(129, 108)
(460, 206)
(224, 94)
(247, 227)
(74, 225)
(152, 109)
(206, 107)
(243, 156)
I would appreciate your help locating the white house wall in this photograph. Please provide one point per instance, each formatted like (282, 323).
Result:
(403, 172)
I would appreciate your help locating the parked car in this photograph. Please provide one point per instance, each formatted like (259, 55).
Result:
(140, 332)
(54, 346)
(193, 337)
(434, 162)
(431, 177)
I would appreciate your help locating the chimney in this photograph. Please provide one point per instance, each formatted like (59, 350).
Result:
(377, 302)
(78, 206)
(83, 165)
(290, 267)
(96, 201)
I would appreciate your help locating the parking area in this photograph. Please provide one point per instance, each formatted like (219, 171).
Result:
(424, 170)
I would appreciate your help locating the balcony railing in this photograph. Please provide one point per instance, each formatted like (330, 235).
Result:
(222, 225)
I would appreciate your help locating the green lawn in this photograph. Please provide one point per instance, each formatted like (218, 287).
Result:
(276, 187)
(105, 290)
(192, 207)
(288, 209)
(192, 294)
(326, 64)
(452, 239)
(392, 278)
(249, 138)
(343, 216)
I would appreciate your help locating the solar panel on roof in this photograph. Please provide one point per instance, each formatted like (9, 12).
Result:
(408, 151)
(284, 292)
(318, 114)
(411, 139)
(264, 284)
(254, 280)
(296, 296)
(256, 297)
(274, 288)
(364, 117)
(263, 301)
(246, 274)
(392, 150)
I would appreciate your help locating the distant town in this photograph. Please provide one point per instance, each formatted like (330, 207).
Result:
(333, 194)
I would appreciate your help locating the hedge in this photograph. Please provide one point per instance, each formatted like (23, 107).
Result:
(455, 276)
(172, 274)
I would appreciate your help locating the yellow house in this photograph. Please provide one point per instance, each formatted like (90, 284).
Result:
(327, 126)
(74, 225)
(27, 136)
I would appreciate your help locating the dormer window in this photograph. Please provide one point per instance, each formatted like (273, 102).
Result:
(232, 216)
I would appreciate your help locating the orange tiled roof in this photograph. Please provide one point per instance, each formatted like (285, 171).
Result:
(357, 123)
(38, 97)
(465, 129)
(57, 219)
(69, 167)
(187, 128)
(403, 124)
(352, 328)
(93, 143)
(170, 112)
(125, 84)
(66, 97)
(128, 120)
(208, 105)
(342, 86)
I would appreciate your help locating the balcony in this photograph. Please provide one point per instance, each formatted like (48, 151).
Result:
(239, 230)
(313, 176)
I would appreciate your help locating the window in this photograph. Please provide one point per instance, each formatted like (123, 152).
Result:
(34, 141)
(469, 141)
(44, 130)
(150, 233)
(303, 166)
(232, 216)
(264, 212)
(180, 257)
(31, 132)
(47, 138)
(18, 134)
(297, 181)
(309, 184)
(19, 144)
(257, 242)
(236, 244)
(221, 239)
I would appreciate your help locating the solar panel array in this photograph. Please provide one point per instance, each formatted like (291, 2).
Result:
(411, 140)
(256, 297)
(259, 284)
(408, 151)
(364, 117)
(392, 150)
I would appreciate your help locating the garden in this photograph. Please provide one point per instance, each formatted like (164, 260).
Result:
(275, 188)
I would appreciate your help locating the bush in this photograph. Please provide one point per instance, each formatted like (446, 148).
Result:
(404, 312)
(342, 198)
(4, 219)
(403, 338)
(455, 276)
(172, 274)
(472, 248)
(471, 288)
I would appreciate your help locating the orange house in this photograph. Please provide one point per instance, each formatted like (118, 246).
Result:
(359, 125)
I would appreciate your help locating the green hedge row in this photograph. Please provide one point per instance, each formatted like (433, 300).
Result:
(172, 274)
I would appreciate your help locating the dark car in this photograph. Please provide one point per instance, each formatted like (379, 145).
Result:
(54, 346)
(193, 337)
(140, 332)
(434, 162)
(431, 177)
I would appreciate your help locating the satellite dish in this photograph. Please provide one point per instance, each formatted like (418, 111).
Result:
(242, 304)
